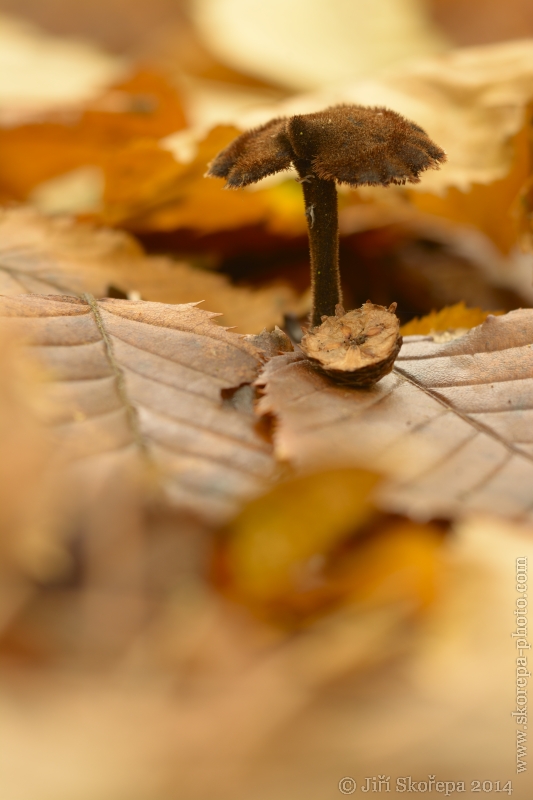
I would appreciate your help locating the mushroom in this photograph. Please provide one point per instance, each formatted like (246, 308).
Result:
(351, 144)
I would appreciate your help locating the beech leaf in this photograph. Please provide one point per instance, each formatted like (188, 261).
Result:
(451, 425)
(143, 381)
(61, 256)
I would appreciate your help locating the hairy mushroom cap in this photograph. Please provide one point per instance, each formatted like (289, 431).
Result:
(350, 144)
(254, 155)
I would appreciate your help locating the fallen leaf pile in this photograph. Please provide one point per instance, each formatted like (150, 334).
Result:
(449, 424)
(225, 574)
(128, 383)
(60, 257)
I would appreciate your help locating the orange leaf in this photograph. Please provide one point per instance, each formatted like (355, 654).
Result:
(449, 318)
(317, 540)
(143, 107)
(148, 189)
(490, 206)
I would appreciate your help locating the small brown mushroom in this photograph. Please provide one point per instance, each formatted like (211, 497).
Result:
(344, 144)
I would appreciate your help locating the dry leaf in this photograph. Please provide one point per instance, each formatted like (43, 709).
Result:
(160, 185)
(393, 252)
(61, 256)
(316, 541)
(172, 742)
(441, 709)
(450, 425)
(314, 42)
(139, 381)
(40, 72)
(450, 318)
(142, 106)
(469, 22)
(489, 206)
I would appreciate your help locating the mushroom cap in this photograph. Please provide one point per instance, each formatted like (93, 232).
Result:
(254, 155)
(352, 144)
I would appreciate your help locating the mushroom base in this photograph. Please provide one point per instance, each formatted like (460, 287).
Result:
(357, 347)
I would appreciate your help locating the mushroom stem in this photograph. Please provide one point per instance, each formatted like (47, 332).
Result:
(320, 197)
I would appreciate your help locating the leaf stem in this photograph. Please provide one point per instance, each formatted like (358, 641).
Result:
(320, 198)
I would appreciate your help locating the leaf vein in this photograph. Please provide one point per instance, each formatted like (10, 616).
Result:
(480, 426)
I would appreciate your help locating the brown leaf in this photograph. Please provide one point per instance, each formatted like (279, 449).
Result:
(141, 382)
(469, 22)
(61, 256)
(450, 425)
(424, 262)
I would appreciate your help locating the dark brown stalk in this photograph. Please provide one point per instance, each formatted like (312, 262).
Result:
(320, 198)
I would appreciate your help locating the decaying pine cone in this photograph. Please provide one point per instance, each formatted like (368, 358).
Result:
(357, 348)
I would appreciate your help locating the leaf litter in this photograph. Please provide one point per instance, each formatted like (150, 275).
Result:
(265, 655)
(127, 379)
(61, 256)
(447, 425)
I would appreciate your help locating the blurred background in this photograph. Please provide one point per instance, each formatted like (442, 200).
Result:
(135, 29)
(143, 669)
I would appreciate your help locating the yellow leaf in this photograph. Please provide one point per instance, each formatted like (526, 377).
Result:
(487, 206)
(450, 318)
(298, 520)
(400, 563)
(316, 541)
